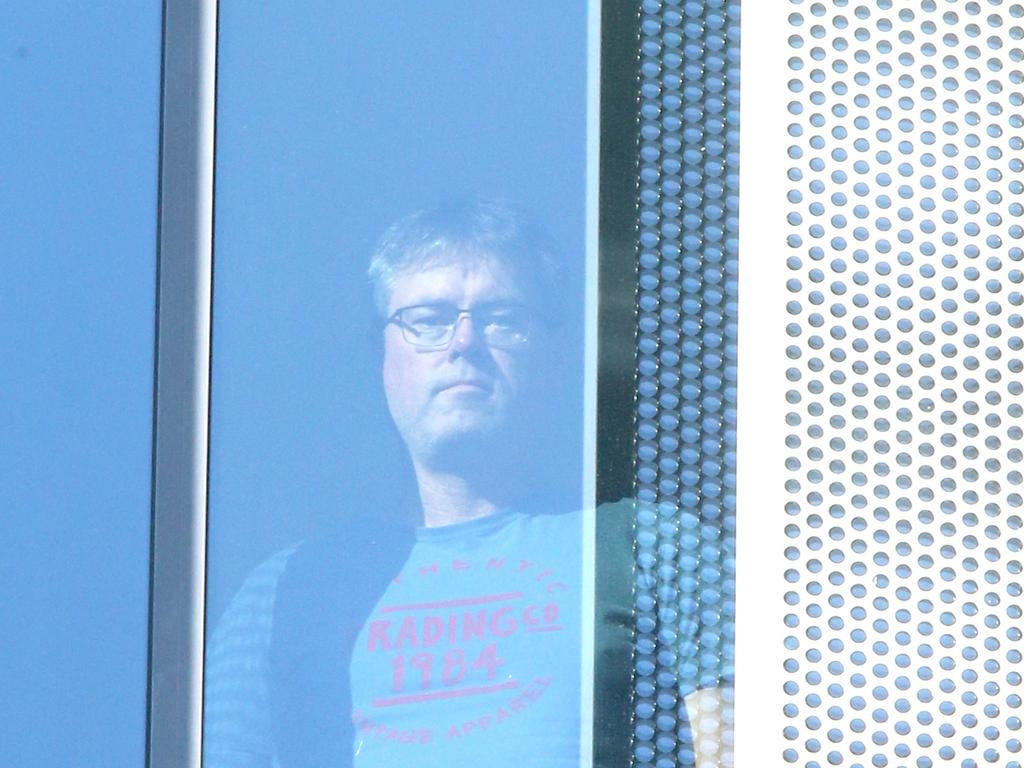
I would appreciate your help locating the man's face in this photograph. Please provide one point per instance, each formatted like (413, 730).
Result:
(470, 392)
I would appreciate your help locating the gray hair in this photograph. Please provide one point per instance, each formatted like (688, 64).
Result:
(479, 228)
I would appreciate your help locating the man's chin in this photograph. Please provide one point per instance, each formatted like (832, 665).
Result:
(467, 436)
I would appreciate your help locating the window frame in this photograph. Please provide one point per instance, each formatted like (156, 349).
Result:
(182, 385)
(181, 406)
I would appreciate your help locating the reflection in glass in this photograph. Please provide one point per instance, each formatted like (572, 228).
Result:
(449, 633)
(388, 518)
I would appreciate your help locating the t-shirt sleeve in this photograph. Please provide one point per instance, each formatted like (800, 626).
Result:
(692, 597)
(706, 608)
(236, 711)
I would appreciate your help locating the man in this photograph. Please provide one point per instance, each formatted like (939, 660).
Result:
(455, 640)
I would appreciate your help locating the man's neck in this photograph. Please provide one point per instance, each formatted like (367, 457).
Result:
(449, 498)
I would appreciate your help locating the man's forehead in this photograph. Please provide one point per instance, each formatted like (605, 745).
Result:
(450, 275)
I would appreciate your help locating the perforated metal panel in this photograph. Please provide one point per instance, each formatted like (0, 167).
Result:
(902, 442)
(686, 384)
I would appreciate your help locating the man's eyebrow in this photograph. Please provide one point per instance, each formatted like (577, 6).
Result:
(501, 304)
(510, 303)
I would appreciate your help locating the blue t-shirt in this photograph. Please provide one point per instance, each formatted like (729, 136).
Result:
(472, 654)
(458, 645)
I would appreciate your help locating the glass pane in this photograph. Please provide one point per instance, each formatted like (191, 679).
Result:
(80, 84)
(396, 450)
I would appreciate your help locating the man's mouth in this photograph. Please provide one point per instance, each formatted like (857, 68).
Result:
(466, 385)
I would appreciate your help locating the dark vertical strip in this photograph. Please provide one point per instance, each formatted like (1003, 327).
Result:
(182, 385)
(617, 234)
(616, 393)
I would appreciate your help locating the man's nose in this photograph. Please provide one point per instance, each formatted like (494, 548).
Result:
(466, 336)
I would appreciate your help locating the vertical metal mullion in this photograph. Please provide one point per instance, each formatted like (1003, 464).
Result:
(181, 397)
(616, 378)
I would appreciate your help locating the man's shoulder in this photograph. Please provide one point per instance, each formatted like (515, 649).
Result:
(250, 612)
(610, 524)
(264, 577)
(236, 706)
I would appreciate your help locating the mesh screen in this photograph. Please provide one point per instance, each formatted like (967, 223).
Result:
(686, 382)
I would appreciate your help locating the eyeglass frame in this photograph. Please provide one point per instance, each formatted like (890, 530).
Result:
(406, 329)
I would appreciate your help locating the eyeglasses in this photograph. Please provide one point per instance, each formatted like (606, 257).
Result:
(433, 326)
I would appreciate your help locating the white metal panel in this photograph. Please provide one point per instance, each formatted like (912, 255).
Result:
(880, 416)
